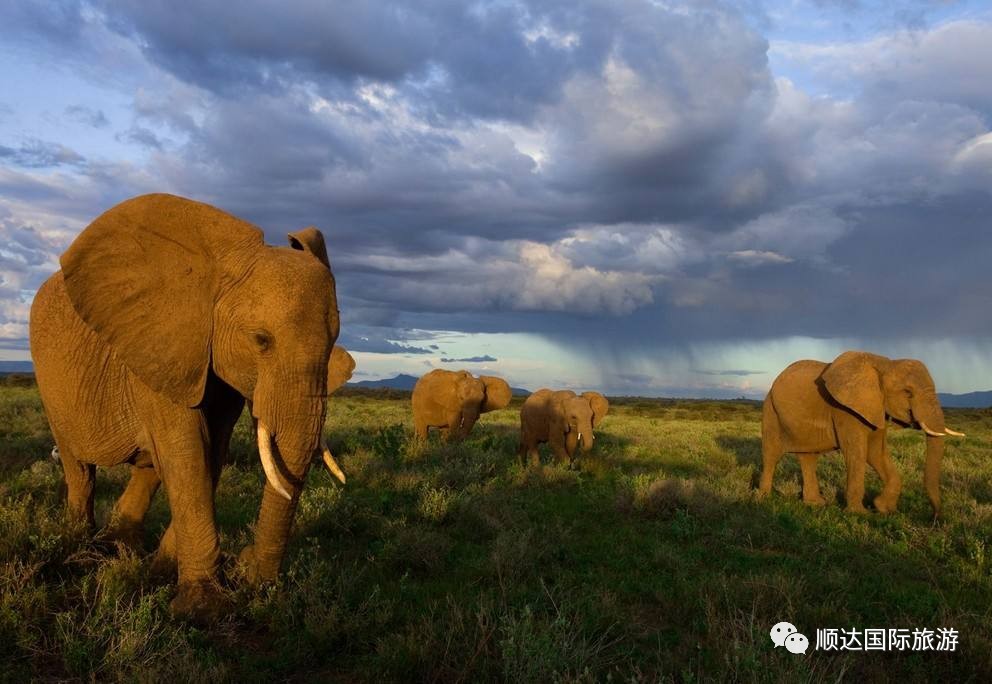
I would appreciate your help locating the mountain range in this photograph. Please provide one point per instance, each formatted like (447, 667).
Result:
(406, 382)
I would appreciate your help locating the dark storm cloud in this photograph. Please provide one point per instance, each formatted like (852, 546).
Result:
(472, 359)
(606, 174)
(369, 342)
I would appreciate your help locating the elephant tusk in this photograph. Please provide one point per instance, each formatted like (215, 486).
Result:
(331, 464)
(269, 462)
(929, 431)
(579, 437)
(954, 433)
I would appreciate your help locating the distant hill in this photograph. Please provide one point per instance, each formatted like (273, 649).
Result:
(7, 367)
(406, 382)
(969, 400)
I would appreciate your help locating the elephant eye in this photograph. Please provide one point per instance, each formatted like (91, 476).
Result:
(263, 340)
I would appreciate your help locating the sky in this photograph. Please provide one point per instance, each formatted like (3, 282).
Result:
(639, 197)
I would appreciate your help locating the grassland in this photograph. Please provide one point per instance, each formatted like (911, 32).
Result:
(453, 563)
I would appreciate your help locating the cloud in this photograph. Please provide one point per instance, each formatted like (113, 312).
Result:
(94, 118)
(378, 345)
(613, 177)
(731, 373)
(37, 154)
(472, 359)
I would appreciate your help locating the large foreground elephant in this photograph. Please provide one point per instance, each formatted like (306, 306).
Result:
(563, 419)
(452, 401)
(167, 316)
(815, 407)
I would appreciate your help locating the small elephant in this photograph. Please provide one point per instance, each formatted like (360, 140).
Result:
(452, 401)
(167, 316)
(563, 420)
(815, 407)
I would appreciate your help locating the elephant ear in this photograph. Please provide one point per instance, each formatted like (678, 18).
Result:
(145, 276)
(497, 393)
(339, 368)
(311, 241)
(853, 382)
(600, 406)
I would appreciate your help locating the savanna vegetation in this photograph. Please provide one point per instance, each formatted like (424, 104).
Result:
(653, 562)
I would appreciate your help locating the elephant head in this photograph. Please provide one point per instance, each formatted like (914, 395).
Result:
(874, 387)
(578, 415)
(477, 395)
(182, 292)
(496, 393)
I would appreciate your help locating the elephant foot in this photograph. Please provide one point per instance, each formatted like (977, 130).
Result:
(814, 500)
(884, 504)
(164, 564)
(859, 509)
(252, 569)
(761, 493)
(131, 536)
(201, 602)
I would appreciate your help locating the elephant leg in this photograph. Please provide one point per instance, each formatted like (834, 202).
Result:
(178, 439)
(558, 448)
(881, 460)
(811, 486)
(222, 417)
(420, 429)
(80, 479)
(855, 450)
(128, 518)
(771, 454)
(454, 429)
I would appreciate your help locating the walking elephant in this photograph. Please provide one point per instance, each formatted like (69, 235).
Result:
(563, 420)
(453, 400)
(167, 316)
(815, 407)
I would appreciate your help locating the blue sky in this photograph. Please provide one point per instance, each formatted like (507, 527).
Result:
(656, 198)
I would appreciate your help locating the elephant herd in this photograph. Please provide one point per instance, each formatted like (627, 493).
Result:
(452, 401)
(169, 317)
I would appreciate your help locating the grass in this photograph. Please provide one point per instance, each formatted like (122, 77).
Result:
(454, 563)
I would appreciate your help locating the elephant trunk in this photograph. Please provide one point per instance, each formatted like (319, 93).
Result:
(928, 413)
(931, 471)
(287, 447)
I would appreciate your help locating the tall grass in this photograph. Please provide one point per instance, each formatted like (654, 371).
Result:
(453, 562)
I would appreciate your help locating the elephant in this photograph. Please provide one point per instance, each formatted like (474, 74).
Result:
(452, 401)
(166, 317)
(563, 420)
(815, 407)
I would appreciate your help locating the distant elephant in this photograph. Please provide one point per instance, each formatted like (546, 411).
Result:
(452, 401)
(167, 315)
(815, 407)
(563, 420)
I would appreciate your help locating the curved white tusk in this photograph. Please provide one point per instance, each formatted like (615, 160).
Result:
(954, 433)
(929, 431)
(269, 462)
(331, 464)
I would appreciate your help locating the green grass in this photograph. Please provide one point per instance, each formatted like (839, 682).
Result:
(454, 563)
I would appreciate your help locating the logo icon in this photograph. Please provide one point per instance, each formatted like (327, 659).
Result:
(797, 643)
(786, 634)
